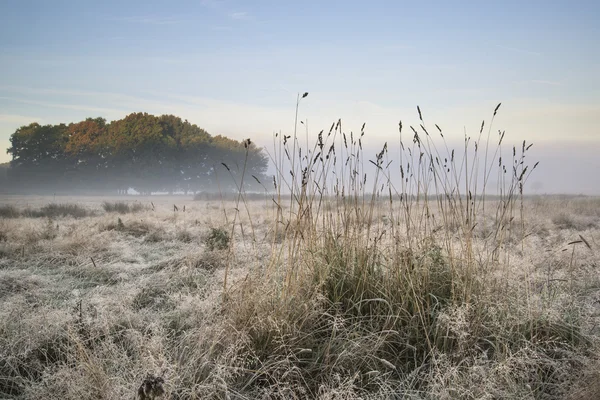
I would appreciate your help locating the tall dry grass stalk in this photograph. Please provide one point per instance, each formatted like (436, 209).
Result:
(373, 273)
(440, 199)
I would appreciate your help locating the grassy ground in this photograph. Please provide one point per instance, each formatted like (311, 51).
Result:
(89, 308)
(406, 282)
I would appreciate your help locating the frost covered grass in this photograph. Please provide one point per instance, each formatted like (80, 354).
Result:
(327, 289)
(89, 308)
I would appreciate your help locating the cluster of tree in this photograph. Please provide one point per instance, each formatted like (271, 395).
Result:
(141, 151)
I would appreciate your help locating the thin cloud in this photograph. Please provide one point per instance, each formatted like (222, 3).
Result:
(211, 3)
(397, 47)
(543, 82)
(63, 92)
(239, 16)
(148, 19)
(18, 119)
(73, 107)
(166, 60)
(517, 50)
(221, 28)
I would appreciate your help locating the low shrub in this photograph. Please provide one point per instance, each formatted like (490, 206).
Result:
(184, 236)
(55, 210)
(152, 297)
(575, 222)
(218, 239)
(122, 207)
(9, 211)
(135, 229)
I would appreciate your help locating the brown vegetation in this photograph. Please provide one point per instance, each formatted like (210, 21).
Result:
(333, 291)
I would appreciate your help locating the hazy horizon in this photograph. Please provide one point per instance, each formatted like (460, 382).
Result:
(235, 68)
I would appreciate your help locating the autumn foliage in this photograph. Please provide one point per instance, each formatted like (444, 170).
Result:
(141, 151)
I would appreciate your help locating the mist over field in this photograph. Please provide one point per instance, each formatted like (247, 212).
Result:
(146, 154)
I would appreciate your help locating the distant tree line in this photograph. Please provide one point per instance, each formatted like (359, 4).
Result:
(141, 151)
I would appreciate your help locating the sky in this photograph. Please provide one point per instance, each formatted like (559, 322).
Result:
(235, 68)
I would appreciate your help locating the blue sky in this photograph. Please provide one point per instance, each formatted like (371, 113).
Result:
(234, 68)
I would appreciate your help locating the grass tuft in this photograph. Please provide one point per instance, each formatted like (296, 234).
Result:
(58, 210)
(122, 207)
(564, 220)
(217, 239)
(9, 211)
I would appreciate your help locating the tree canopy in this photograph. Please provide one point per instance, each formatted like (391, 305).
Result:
(141, 151)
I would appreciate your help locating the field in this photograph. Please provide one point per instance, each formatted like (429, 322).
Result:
(93, 300)
(426, 275)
